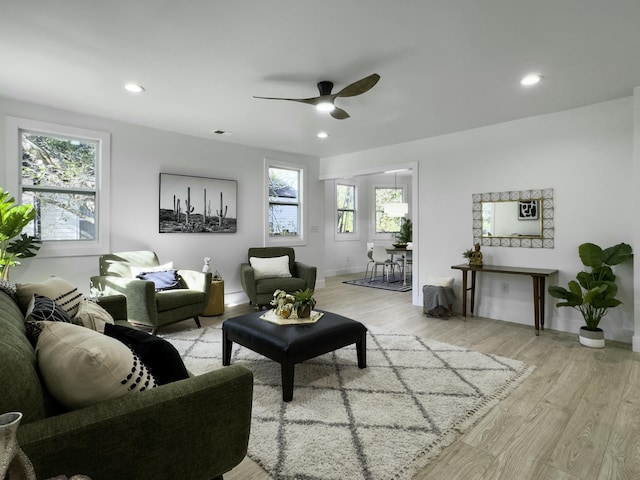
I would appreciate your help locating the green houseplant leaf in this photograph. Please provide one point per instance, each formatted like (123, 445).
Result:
(594, 290)
(13, 219)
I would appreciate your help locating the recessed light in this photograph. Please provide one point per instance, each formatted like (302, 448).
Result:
(530, 79)
(323, 134)
(134, 88)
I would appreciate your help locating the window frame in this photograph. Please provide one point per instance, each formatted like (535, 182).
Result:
(374, 223)
(288, 240)
(66, 248)
(346, 236)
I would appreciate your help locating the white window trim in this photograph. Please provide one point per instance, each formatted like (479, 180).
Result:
(345, 237)
(13, 177)
(293, 240)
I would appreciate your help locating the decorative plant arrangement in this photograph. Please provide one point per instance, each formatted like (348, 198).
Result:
(301, 303)
(593, 292)
(405, 235)
(13, 243)
(304, 302)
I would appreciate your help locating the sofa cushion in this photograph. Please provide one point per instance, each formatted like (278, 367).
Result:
(56, 288)
(159, 355)
(270, 285)
(172, 299)
(270, 267)
(163, 280)
(44, 309)
(93, 316)
(80, 366)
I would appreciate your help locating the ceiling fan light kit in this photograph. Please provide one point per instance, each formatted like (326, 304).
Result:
(325, 102)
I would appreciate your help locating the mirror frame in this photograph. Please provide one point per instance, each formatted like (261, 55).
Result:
(546, 211)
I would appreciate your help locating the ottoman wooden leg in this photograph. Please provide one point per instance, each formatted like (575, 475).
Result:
(226, 349)
(361, 348)
(287, 370)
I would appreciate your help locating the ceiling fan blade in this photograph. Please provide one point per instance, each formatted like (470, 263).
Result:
(359, 87)
(311, 101)
(339, 114)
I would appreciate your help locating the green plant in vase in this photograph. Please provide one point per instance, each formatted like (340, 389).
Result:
(593, 292)
(303, 302)
(13, 243)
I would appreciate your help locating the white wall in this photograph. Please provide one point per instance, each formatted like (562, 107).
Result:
(138, 155)
(585, 155)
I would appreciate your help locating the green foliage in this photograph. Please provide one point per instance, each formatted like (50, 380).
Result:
(304, 297)
(467, 253)
(405, 235)
(593, 292)
(13, 218)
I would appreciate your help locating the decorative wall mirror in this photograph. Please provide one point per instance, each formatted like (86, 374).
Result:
(514, 219)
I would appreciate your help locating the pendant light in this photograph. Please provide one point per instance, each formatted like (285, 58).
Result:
(397, 209)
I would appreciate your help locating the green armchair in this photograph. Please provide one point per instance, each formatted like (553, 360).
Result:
(145, 306)
(260, 290)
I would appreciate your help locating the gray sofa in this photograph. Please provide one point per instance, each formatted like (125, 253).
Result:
(197, 428)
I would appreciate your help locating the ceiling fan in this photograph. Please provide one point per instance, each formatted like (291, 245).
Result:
(326, 101)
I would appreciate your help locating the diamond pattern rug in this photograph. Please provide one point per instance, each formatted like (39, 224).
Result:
(383, 422)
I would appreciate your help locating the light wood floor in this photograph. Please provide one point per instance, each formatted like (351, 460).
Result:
(576, 417)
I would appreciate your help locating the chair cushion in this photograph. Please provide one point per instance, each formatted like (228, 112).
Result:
(171, 299)
(80, 366)
(440, 281)
(270, 267)
(270, 285)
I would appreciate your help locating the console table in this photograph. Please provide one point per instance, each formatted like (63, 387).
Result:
(538, 275)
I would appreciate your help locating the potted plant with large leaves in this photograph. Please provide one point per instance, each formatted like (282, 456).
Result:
(13, 243)
(594, 290)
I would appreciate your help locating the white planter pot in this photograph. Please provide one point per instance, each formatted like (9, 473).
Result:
(592, 338)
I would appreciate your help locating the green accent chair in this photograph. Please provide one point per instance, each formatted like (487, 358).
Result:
(197, 428)
(145, 306)
(260, 292)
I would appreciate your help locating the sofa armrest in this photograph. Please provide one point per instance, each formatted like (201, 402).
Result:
(248, 280)
(308, 273)
(141, 296)
(199, 426)
(116, 305)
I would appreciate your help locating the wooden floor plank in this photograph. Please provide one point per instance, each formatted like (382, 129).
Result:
(592, 394)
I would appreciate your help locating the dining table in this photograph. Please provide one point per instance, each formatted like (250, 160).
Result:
(404, 252)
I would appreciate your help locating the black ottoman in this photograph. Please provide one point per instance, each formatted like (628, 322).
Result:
(291, 344)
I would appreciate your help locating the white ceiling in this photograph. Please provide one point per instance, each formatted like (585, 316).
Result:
(446, 65)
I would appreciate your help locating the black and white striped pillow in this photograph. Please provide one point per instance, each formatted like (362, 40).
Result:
(43, 308)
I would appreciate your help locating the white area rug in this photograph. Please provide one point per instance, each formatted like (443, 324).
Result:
(383, 422)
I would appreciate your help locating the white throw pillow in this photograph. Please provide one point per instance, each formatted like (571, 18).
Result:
(57, 289)
(440, 281)
(270, 267)
(135, 270)
(92, 315)
(80, 366)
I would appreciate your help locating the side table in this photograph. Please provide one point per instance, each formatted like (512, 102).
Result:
(215, 305)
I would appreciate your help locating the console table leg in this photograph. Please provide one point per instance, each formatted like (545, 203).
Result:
(473, 290)
(464, 294)
(536, 303)
(542, 297)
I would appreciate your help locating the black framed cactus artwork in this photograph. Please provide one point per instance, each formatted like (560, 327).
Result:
(190, 204)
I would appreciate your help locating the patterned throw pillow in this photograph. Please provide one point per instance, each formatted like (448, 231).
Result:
(56, 288)
(92, 315)
(44, 309)
(80, 366)
(159, 355)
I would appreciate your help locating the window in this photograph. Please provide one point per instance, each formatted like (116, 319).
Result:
(346, 208)
(285, 204)
(63, 172)
(384, 195)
